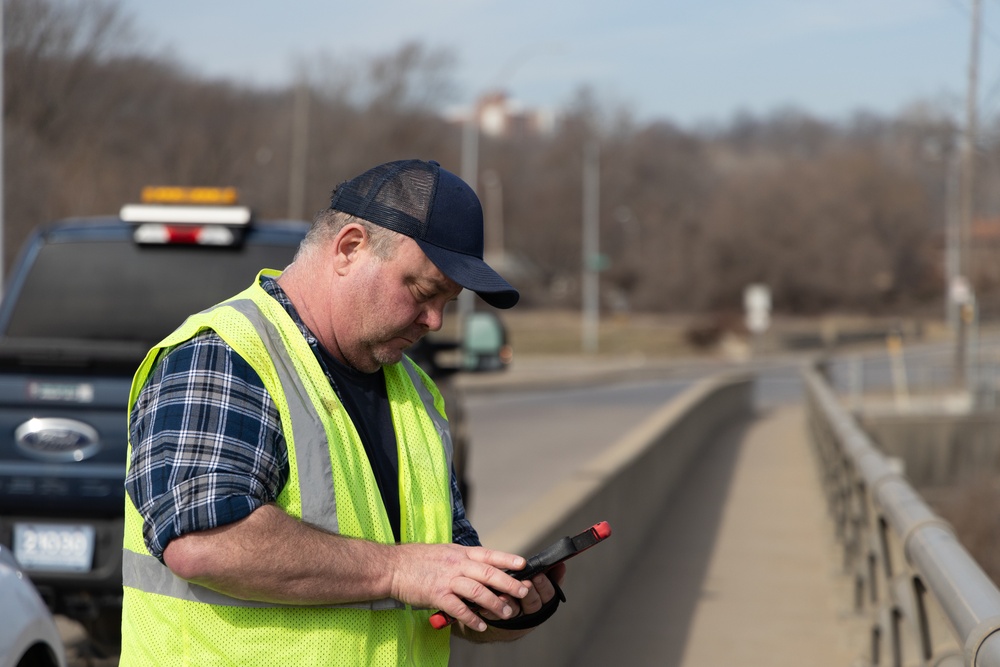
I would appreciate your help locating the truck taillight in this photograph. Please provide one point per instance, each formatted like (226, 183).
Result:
(160, 234)
(193, 216)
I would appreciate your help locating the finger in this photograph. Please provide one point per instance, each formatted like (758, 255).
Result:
(498, 559)
(497, 580)
(463, 613)
(513, 603)
(533, 601)
(544, 588)
(545, 591)
(484, 598)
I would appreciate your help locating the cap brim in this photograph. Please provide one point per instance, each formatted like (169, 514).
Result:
(473, 274)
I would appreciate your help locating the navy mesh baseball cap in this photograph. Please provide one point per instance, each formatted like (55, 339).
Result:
(436, 209)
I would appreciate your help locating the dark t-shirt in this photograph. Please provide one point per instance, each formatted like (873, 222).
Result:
(367, 403)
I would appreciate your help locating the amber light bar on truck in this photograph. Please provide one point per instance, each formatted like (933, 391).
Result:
(191, 216)
(170, 194)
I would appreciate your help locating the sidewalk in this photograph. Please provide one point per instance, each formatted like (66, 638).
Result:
(744, 569)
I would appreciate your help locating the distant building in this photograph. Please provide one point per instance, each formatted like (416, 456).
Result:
(498, 116)
(986, 231)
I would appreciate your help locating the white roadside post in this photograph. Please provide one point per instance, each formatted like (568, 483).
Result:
(960, 292)
(757, 307)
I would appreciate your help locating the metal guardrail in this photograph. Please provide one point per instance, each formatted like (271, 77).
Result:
(919, 370)
(929, 602)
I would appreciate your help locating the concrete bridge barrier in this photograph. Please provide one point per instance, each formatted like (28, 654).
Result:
(627, 486)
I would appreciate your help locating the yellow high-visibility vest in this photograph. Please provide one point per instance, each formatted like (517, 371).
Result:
(169, 621)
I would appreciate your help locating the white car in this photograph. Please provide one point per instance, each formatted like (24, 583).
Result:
(28, 634)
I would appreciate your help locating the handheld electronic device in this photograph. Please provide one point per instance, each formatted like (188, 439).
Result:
(559, 551)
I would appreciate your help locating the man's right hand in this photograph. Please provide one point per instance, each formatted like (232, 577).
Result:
(449, 577)
(272, 557)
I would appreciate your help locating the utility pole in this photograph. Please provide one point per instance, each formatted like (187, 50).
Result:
(493, 210)
(965, 262)
(470, 148)
(591, 250)
(300, 152)
(470, 171)
(952, 239)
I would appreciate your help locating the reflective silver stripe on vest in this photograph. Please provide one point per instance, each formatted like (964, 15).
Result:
(315, 469)
(157, 578)
(440, 423)
(319, 504)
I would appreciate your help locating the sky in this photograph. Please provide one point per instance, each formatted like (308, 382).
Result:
(689, 62)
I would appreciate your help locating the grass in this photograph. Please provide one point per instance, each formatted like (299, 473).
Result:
(548, 332)
(561, 332)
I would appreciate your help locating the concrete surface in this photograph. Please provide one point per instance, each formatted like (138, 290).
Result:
(740, 567)
(627, 485)
(773, 590)
(743, 568)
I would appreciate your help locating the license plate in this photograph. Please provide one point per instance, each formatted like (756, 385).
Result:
(54, 547)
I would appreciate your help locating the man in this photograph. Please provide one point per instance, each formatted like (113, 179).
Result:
(290, 492)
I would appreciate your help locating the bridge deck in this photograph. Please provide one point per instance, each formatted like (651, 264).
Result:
(743, 569)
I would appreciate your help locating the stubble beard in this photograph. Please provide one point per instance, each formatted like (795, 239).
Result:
(385, 348)
(381, 346)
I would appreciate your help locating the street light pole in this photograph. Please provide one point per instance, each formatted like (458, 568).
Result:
(969, 145)
(470, 148)
(470, 165)
(300, 151)
(493, 209)
(965, 262)
(953, 236)
(591, 257)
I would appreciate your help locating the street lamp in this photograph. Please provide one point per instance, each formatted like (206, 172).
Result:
(494, 218)
(470, 148)
(470, 165)
(590, 292)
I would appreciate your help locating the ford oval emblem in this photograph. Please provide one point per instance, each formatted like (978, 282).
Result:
(56, 439)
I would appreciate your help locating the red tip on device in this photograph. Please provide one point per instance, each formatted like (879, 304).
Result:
(440, 620)
(602, 530)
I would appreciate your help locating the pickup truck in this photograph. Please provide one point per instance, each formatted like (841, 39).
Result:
(84, 302)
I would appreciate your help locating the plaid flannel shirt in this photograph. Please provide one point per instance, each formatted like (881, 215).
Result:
(207, 446)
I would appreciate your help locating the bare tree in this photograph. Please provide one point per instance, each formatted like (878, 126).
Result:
(832, 216)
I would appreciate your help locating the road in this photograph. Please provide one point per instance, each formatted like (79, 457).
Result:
(524, 441)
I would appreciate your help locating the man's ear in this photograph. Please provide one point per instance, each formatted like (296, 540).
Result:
(347, 245)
